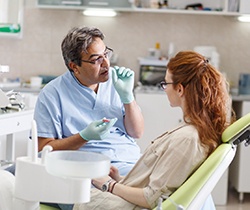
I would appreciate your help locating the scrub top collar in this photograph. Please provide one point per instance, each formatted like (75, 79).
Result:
(71, 72)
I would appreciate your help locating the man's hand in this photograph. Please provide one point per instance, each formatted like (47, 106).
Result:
(97, 130)
(123, 80)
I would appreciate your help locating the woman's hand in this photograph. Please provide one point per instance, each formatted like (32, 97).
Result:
(98, 183)
(114, 174)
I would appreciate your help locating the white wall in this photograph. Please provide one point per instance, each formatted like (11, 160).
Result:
(129, 34)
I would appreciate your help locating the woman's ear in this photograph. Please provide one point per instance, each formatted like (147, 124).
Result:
(180, 90)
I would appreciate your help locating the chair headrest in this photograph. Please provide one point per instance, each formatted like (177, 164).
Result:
(237, 129)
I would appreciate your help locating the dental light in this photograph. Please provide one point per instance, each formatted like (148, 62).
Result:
(100, 12)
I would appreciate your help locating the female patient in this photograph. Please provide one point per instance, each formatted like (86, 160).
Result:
(195, 86)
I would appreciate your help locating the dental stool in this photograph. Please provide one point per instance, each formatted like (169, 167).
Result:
(195, 190)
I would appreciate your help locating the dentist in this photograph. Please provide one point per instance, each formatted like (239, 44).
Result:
(91, 107)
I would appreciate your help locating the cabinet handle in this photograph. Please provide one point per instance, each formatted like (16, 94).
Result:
(71, 2)
(98, 3)
(18, 123)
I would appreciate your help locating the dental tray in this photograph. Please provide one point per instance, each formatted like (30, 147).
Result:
(77, 164)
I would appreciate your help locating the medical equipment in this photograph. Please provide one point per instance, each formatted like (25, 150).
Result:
(59, 176)
(4, 101)
(11, 100)
(193, 193)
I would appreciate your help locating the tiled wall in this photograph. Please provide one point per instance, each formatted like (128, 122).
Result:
(129, 34)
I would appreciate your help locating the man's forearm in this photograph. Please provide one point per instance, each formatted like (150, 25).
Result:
(70, 143)
(134, 122)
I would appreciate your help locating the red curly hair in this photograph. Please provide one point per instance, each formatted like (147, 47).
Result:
(208, 104)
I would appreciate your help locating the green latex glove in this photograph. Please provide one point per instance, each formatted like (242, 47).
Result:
(97, 130)
(123, 80)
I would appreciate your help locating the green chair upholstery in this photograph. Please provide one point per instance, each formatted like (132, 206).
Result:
(193, 193)
(45, 207)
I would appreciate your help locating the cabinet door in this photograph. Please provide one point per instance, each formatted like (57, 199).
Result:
(159, 116)
(245, 107)
(60, 2)
(239, 169)
(244, 156)
(244, 6)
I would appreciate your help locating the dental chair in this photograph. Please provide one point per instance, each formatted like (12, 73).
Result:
(195, 190)
(193, 193)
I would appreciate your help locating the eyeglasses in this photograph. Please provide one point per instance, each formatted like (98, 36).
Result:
(99, 60)
(164, 84)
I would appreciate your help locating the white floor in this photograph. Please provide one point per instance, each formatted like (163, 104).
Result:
(233, 201)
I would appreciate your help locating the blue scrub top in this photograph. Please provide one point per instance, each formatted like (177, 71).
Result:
(65, 107)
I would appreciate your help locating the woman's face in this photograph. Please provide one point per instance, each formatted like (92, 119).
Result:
(173, 94)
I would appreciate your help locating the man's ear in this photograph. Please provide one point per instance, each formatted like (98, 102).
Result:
(73, 67)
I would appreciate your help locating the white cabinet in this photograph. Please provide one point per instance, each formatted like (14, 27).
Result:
(158, 115)
(15, 130)
(79, 4)
(219, 7)
(11, 126)
(60, 2)
(240, 168)
(244, 6)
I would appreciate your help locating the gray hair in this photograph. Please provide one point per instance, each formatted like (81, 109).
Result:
(77, 41)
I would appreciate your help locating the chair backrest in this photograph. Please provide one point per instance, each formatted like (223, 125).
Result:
(195, 190)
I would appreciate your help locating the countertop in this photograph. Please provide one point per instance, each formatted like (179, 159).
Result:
(241, 97)
(22, 89)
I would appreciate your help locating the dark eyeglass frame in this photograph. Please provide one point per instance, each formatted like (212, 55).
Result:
(107, 54)
(164, 84)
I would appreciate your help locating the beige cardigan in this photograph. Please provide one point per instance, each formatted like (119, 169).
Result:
(165, 165)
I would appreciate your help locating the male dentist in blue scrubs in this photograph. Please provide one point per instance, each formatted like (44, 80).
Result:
(90, 107)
